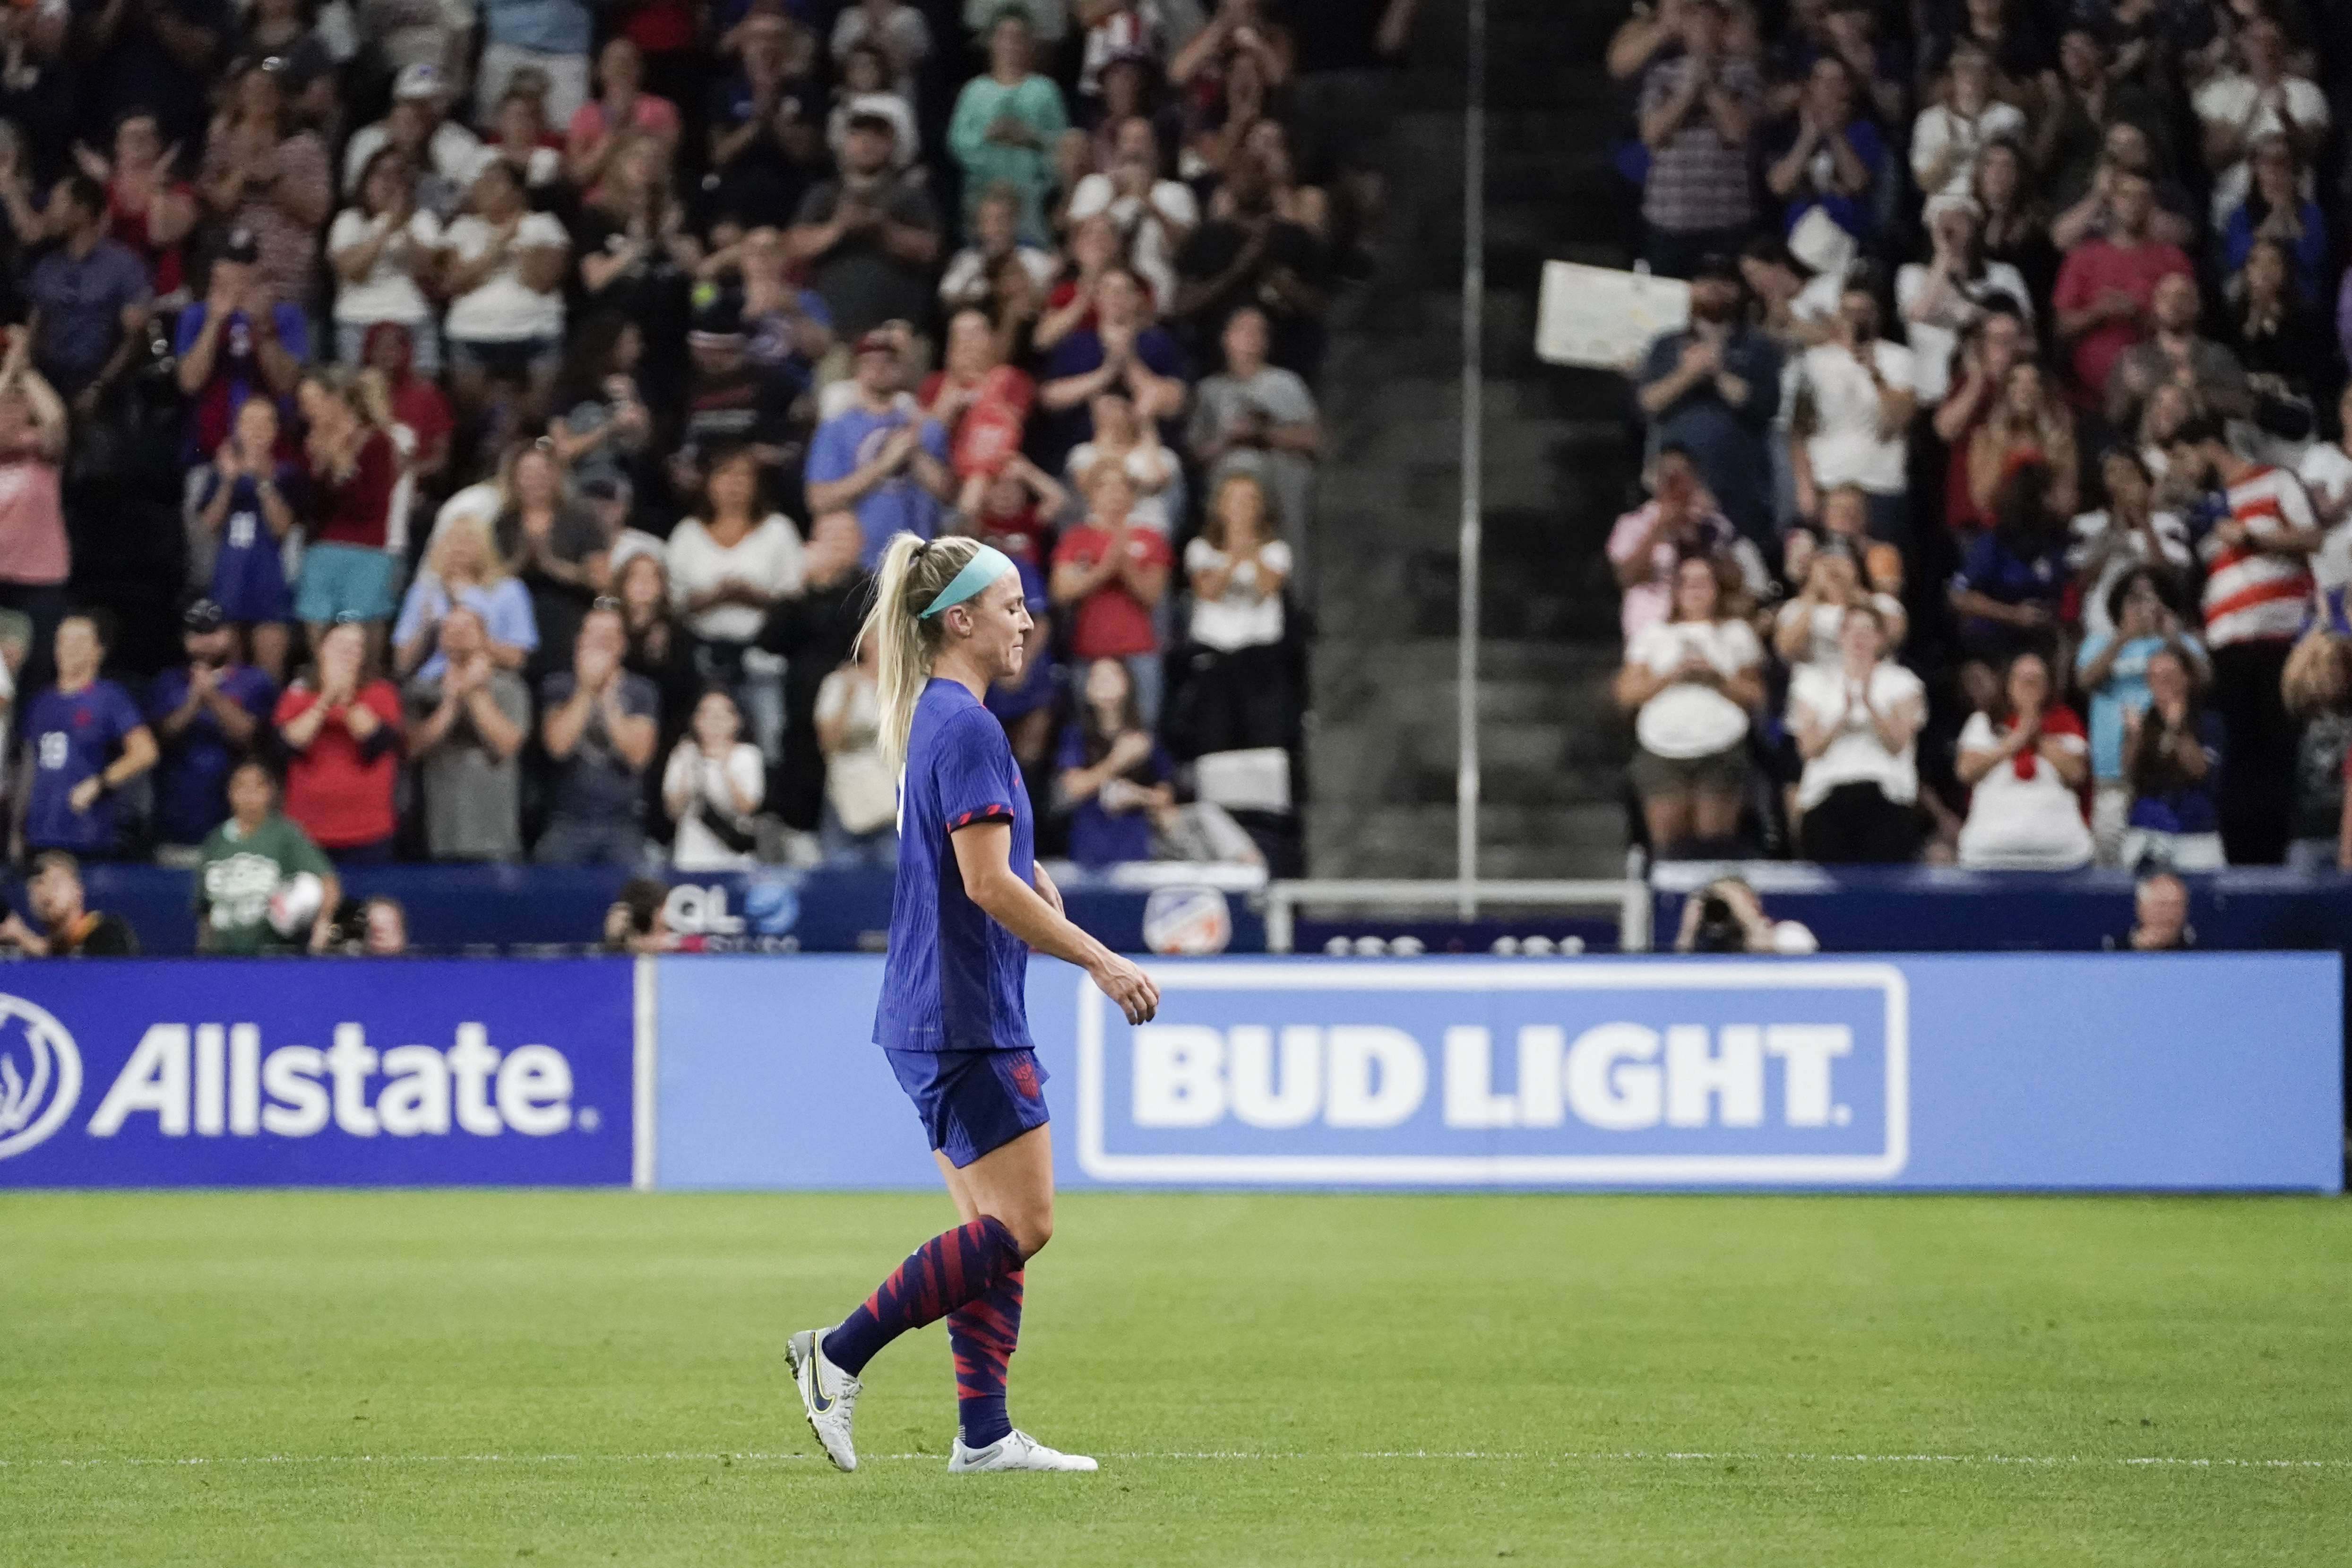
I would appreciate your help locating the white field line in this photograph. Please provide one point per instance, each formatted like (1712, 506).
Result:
(1620, 1455)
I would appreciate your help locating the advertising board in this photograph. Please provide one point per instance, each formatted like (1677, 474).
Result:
(229, 1072)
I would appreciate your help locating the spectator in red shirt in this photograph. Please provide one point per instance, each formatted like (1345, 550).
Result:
(341, 735)
(416, 401)
(2106, 287)
(1109, 575)
(349, 470)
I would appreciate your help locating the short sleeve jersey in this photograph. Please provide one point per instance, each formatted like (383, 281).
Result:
(954, 978)
(73, 737)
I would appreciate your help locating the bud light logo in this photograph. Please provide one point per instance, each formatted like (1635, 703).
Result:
(1476, 1073)
(40, 1076)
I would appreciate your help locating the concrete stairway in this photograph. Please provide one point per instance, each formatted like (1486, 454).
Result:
(1559, 459)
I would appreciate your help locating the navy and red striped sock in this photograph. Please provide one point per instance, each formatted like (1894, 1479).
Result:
(951, 1269)
(982, 1333)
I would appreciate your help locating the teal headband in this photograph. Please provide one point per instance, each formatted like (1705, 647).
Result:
(986, 566)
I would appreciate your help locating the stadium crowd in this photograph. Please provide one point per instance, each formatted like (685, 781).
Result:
(1999, 486)
(464, 429)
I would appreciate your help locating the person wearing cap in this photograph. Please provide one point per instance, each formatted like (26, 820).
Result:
(1698, 114)
(730, 400)
(420, 95)
(84, 740)
(871, 236)
(882, 459)
(239, 341)
(1712, 388)
(91, 295)
(1007, 124)
(208, 715)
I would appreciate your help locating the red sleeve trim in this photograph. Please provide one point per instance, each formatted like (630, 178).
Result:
(990, 813)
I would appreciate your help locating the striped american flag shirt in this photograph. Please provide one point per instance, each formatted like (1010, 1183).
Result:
(2252, 595)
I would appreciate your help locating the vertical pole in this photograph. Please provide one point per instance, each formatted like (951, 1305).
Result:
(1474, 300)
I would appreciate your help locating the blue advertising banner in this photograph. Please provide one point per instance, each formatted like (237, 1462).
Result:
(2121, 1071)
(280, 1073)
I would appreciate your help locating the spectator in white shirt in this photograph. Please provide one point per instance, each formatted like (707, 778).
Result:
(2327, 473)
(1155, 215)
(385, 250)
(1857, 726)
(713, 786)
(2129, 532)
(1948, 136)
(2238, 109)
(1942, 297)
(1809, 628)
(969, 281)
(503, 272)
(1691, 683)
(2024, 774)
(1237, 684)
(416, 123)
(727, 568)
(1856, 395)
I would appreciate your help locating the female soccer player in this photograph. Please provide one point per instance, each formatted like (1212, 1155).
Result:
(949, 621)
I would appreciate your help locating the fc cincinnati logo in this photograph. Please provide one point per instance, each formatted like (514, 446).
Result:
(40, 1076)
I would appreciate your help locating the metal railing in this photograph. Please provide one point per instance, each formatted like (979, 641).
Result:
(1631, 899)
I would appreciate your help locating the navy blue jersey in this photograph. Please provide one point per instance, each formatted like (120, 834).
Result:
(953, 979)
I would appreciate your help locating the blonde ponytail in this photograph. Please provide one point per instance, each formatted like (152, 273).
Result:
(913, 573)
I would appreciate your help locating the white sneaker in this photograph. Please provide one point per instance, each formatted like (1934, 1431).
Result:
(828, 1393)
(1016, 1450)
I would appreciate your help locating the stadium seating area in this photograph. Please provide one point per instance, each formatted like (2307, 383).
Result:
(581, 360)
(2005, 438)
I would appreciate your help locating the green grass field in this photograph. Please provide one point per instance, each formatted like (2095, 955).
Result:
(440, 1377)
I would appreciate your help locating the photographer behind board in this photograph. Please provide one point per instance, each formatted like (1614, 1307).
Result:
(1726, 916)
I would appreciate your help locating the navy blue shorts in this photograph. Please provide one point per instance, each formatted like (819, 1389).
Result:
(973, 1101)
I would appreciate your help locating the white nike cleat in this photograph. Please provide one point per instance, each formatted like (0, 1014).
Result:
(1016, 1450)
(829, 1394)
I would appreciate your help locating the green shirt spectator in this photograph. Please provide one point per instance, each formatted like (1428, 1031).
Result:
(245, 864)
(1006, 124)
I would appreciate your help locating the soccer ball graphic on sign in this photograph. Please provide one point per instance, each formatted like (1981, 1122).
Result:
(40, 1075)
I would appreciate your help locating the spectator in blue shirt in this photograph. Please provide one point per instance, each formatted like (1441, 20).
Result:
(2173, 753)
(2012, 580)
(880, 457)
(208, 715)
(1828, 155)
(235, 342)
(84, 740)
(1114, 775)
(1122, 352)
(1712, 389)
(92, 296)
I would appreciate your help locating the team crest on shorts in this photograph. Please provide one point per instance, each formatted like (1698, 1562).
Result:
(1024, 1078)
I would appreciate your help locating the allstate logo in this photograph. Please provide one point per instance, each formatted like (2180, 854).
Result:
(1190, 921)
(40, 1076)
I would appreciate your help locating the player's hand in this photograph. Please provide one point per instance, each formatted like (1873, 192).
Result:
(1045, 887)
(1127, 985)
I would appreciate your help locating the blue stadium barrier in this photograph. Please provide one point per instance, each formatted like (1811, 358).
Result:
(2200, 1071)
(1928, 909)
(2148, 1072)
(454, 907)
